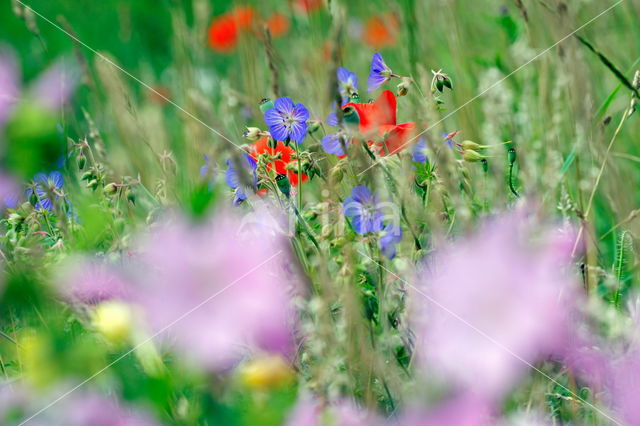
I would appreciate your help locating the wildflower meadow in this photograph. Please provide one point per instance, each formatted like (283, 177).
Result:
(319, 212)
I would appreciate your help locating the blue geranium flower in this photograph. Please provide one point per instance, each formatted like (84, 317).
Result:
(390, 236)
(347, 83)
(379, 73)
(287, 120)
(232, 178)
(43, 185)
(204, 169)
(364, 210)
(419, 153)
(332, 145)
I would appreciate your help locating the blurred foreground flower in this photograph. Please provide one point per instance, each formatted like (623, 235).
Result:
(87, 408)
(495, 303)
(214, 290)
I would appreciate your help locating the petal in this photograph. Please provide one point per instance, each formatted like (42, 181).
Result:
(362, 194)
(231, 177)
(272, 117)
(298, 131)
(332, 119)
(56, 178)
(343, 75)
(55, 86)
(375, 81)
(278, 132)
(284, 105)
(331, 144)
(301, 113)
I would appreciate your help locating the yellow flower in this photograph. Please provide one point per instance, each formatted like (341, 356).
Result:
(266, 372)
(113, 320)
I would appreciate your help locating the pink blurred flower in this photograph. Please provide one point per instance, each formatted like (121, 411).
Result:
(87, 408)
(51, 90)
(9, 85)
(91, 281)
(495, 302)
(463, 410)
(217, 289)
(308, 412)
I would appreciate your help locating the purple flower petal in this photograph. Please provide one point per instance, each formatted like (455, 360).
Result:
(332, 145)
(284, 105)
(273, 117)
(298, 131)
(55, 86)
(332, 119)
(279, 132)
(300, 112)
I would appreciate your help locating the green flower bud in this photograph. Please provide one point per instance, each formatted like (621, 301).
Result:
(252, 133)
(470, 145)
(87, 175)
(314, 125)
(485, 165)
(403, 87)
(511, 155)
(15, 219)
(131, 196)
(471, 156)
(447, 83)
(110, 189)
(81, 161)
(93, 184)
(284, 185)
(33, 198)
(439, 85)
(266, 104)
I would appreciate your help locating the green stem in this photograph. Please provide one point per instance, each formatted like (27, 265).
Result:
(513, 190)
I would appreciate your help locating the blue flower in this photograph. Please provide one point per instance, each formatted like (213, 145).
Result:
(287, 120)
(43, 185)
(347, 83)
(332, 145)
(420, 151)
(390, 236)
(379, 73)
(364, 210)
(204, 169)
(232, 178)
(332, 119)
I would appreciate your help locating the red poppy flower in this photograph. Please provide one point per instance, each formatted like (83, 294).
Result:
(381, 31)
(223, 33)
(262, 145)
(225, 29)
(278, 24)
(379, 119)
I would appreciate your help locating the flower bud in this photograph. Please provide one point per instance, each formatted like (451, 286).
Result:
(15, 219)
(87, 175)
(113, 320)
(33, 198)
(485, 165)
(471, 156)
(470, 145)
(403, 87)
(252, 134)
(110, 189)
(131, 196)
(81, 160)
(284, 185)
(93, 184)
(266, 104)
(314, 125)
(511, 155)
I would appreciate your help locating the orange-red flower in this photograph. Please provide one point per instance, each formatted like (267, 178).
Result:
(378, 122)
(278, 24)
(262, 146)
(381, 31)
(225, 29)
